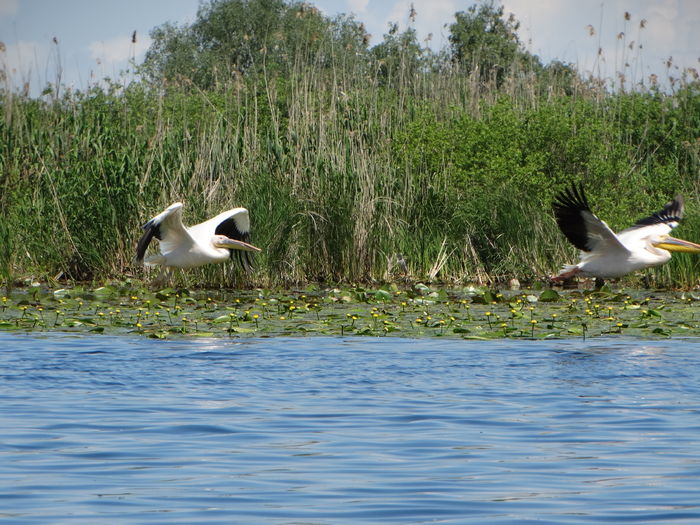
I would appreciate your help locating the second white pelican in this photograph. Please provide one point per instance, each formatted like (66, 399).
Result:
(212, 241)
(607, 255)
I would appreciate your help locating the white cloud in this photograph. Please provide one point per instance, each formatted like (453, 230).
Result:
(8, 7)
(399, 13)
(357, 6)
(672, 26)
(670, 30)
(557, 29)
(118, 49)
(27, 62)
(431, 17)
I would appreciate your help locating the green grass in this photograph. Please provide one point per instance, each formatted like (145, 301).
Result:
(343, 174)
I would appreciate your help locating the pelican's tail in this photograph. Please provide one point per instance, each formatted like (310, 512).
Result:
(154, 260)
(567, 272)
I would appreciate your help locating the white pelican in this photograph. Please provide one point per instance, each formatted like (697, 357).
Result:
(606, 255)
(212, 241)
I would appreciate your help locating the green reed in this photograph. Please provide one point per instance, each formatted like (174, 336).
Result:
(349, 175)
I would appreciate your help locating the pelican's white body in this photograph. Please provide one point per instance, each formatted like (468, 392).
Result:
(183, 247)
(188, 255)
(614, 256)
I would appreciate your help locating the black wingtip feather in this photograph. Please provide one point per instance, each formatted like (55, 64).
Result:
(672, 212)
(150, 230)
(230, 229)
(568, 208)
(246, 260)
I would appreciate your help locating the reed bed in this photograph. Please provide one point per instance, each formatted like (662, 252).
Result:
(351, 173)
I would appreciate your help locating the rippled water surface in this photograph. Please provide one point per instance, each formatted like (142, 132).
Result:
(330, 430)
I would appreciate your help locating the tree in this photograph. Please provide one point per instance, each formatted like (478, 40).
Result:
(398, 55)
(231, 37)
(482, 40)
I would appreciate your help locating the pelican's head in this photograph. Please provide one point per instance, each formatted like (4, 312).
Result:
(671, 244)
(221, 241)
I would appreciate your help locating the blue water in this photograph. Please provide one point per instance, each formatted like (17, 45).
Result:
(343, 431)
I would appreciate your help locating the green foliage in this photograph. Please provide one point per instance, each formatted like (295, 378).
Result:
(419, 311)
(356, 164)
(398, 56)
(6, 248)
(234, 37)
(506, 165)
(483, 41)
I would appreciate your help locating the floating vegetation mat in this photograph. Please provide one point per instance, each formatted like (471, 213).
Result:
(419, 311)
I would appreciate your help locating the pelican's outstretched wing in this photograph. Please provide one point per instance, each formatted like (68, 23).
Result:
(656, 225)
(234, 224)
(580, 225)
(167, 227)
(660, 222)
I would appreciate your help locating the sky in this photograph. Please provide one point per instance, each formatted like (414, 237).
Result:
(79, 42)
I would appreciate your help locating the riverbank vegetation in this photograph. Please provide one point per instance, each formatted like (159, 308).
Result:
(416, 311)
(358, 163)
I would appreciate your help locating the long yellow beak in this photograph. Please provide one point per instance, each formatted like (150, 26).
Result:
(233, 244)
(678, 245)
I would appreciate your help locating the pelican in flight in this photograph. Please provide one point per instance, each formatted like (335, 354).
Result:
(212, 241)
(606, 255)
